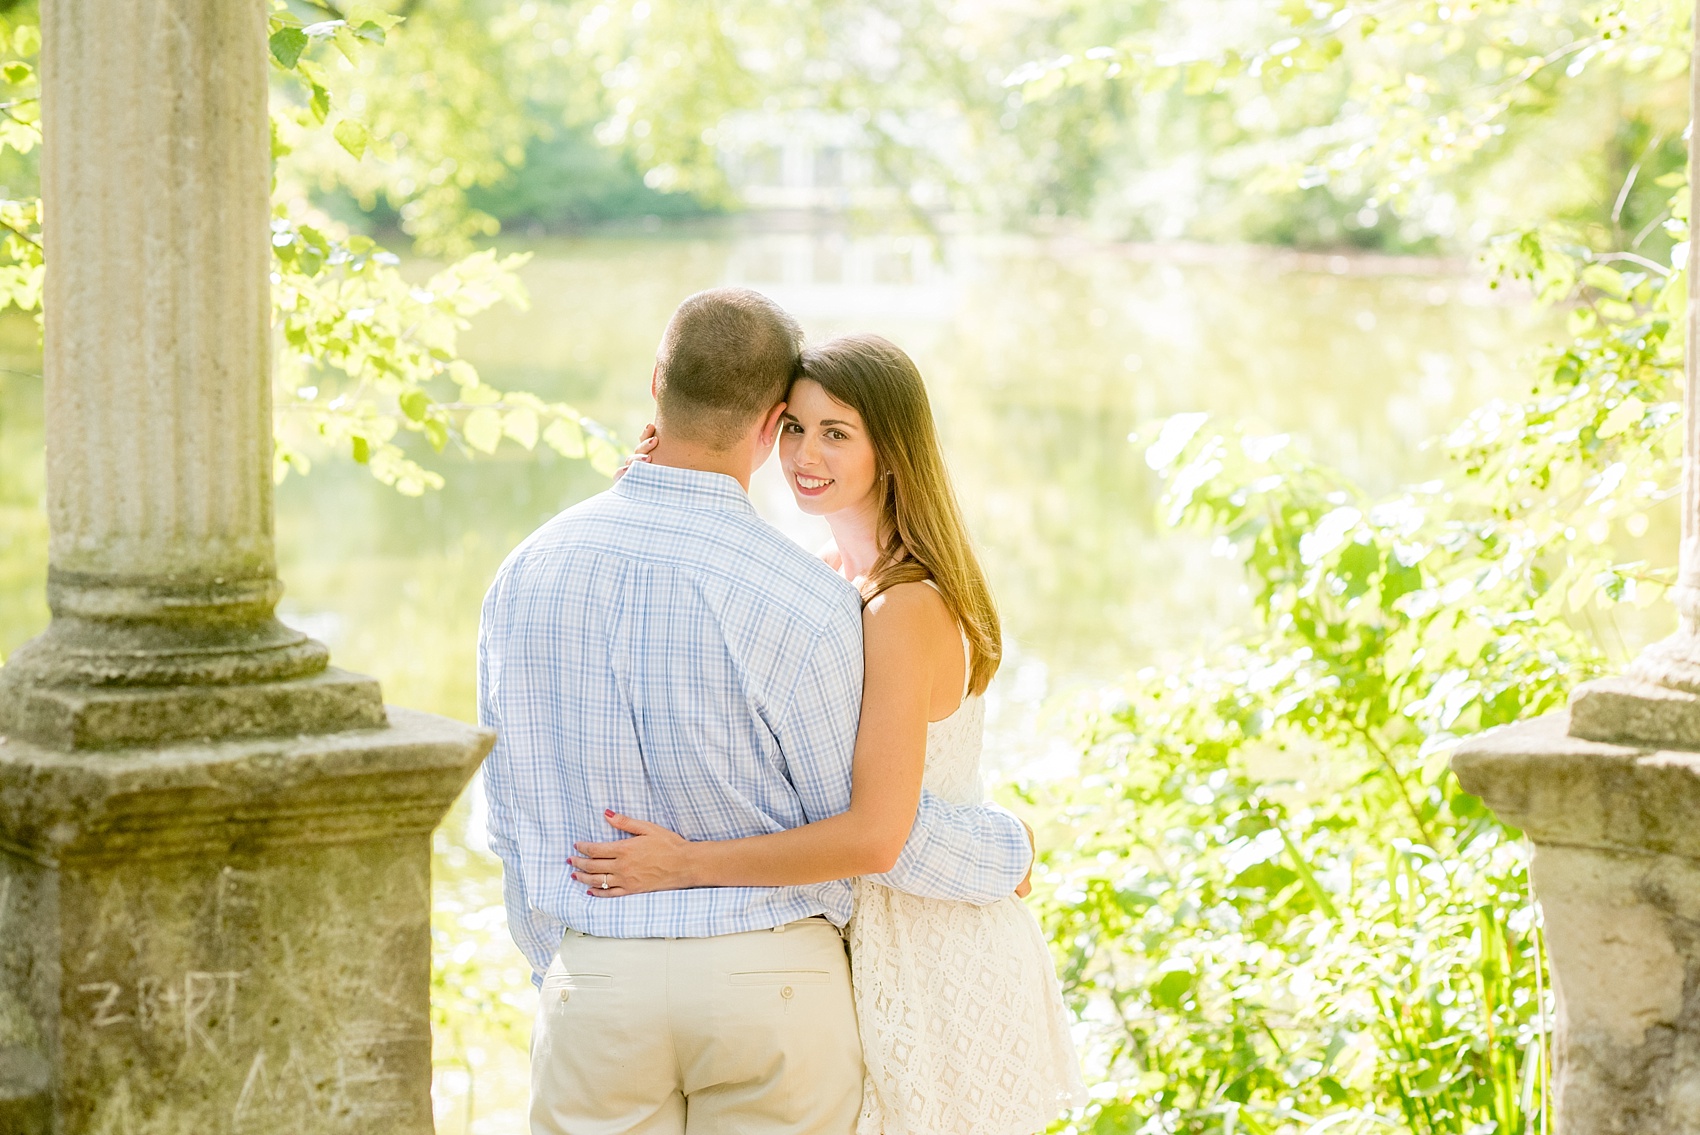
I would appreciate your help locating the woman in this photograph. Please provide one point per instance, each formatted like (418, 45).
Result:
(963, 1025)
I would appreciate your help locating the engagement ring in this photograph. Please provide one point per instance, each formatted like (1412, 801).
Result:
(604, 882)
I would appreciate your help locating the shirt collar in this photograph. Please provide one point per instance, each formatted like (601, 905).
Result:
(672, 487)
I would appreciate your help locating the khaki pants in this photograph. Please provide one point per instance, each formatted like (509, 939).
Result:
(741, 1034)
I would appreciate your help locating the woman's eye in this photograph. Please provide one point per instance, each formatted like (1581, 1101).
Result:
(836, 435)
(793, 428)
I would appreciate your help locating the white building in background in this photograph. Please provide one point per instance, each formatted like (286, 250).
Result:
(810, 173)
(804, 161)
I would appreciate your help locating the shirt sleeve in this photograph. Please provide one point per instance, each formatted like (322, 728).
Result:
(536, 934)
(965, 852)
(976, 853)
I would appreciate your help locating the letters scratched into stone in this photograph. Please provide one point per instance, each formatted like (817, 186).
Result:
(199, 1007)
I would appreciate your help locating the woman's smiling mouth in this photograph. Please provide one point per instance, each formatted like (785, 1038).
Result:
(811, 486)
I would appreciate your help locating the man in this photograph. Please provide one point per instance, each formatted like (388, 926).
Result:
(662, 652)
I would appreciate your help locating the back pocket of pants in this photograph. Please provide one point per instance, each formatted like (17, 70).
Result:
(780, 977)
(578, 981)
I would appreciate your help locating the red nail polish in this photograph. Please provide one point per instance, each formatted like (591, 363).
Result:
(607, 811)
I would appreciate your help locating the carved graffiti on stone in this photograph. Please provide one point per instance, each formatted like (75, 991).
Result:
(200, 1007)
(106, 995)
(345, 1086)
(291, 1092)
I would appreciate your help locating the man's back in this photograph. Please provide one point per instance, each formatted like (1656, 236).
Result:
(661, 651)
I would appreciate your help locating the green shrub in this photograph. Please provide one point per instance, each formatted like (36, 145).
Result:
(1274, 909)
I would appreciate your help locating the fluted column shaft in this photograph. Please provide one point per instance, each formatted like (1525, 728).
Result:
(158, 404)
(155, 182)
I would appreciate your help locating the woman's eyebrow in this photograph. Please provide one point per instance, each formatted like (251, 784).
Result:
(837, 422)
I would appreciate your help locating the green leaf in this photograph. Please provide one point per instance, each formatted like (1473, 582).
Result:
(18, 72)
(1615, 310)
(362, 14)
(26, 41)
(1175, 982)
(1397, 582)
(565, 437)
(320, 103)
(347, 43)
(1356, 565)
(1625, 414)
(1200, 79)
(1607, 279)
(483, 430)
(521, 425)
(351, 136)
(287, 44)
(362, 450)
(605, 457)
(370, 32)
(415, 404)
(437, 434)
(464, 375)
(1673, 297)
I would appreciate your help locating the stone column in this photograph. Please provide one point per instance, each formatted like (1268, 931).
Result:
(1609, 794)
(155, 174)
(214, 850)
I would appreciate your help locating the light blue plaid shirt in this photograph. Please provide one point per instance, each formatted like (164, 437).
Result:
(661, 650)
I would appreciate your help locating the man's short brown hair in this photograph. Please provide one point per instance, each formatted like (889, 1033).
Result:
(727, 356)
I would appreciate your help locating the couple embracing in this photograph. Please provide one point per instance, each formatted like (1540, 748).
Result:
(736, 789)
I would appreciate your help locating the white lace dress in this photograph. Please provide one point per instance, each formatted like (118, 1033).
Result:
(963, 1025)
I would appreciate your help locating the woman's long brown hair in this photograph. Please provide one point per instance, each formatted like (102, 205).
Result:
(922, 534)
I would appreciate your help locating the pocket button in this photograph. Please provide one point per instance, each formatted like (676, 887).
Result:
(786, 993)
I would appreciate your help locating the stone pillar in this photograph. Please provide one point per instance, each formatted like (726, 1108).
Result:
(156, 170)
(1609, 794)
(214, 850)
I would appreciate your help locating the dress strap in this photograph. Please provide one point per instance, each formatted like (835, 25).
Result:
(967, 649)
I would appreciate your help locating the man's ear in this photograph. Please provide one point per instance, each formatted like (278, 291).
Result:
(655, 382)
(770, 427)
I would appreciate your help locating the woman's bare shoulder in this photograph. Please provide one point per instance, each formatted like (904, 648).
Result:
(916, 607)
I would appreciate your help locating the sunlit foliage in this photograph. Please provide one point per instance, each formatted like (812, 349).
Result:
(1275, 906)
(364, 355)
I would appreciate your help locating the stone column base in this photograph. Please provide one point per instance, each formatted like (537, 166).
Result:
(116, 717)
(224, 938)
(1628, 710)
(1617, 872)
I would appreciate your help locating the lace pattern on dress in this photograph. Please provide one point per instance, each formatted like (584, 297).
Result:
(963, 1025)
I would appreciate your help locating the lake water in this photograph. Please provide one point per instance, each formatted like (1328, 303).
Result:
(1041, 357)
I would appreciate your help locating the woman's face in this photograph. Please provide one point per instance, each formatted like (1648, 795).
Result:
(825, 451)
